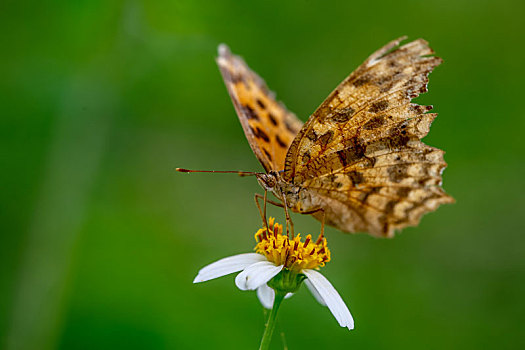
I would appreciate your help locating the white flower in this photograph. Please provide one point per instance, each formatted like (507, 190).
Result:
(257, 271)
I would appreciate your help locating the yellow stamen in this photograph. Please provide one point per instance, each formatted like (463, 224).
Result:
(292, 253)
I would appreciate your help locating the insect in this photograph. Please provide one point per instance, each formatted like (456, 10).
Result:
(357, 163)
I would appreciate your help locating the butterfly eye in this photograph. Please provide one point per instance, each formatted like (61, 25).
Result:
(269, 180)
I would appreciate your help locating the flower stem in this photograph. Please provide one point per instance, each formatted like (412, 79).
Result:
(270, 324)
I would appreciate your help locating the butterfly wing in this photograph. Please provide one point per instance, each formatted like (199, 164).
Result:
(360, 155)
(269, 127)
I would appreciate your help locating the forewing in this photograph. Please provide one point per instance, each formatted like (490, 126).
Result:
(269, 127)
(360, 152)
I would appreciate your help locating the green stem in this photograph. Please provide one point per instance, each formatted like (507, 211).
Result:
(270, 324)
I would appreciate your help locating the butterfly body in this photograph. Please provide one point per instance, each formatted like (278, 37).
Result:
(358, 162)
(297, 198)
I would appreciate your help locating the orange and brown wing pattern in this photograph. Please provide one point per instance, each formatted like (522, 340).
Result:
(360, 152)
(269, 127)
(383, 192)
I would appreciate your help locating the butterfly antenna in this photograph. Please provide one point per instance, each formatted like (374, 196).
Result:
(240, 173)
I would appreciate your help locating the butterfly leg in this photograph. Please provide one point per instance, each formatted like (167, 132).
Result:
(277, 204)
(289, 222)
(262, 212)
(321, 236)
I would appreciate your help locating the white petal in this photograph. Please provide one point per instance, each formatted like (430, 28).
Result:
(266, 296)
(227, 265)
(332, 299)
(314, 292)
(256, 275)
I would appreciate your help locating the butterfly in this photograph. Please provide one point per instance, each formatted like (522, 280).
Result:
(357, 163)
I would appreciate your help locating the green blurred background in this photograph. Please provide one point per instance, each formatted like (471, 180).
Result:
(101, 239)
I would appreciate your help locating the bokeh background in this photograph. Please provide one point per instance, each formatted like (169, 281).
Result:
(101, 239)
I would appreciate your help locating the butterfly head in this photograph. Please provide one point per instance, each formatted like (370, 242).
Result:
(269, 180)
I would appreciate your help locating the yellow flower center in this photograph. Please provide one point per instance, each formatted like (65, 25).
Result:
(292, 253)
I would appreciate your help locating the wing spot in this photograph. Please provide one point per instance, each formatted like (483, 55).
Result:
(272, 118)
(389, 208)
(279, 141)
(356, 177)
(325, 139)
(350, 155)
(418, 109)
(312, 135)
(261, 104)
(378, 106)
(267, 154)
(428, 181)
(250, 113)
(342, 115)
(397, 172)
(306, 157)
(374, 123)
(362, 80)
(403, 192)
(259, 133)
